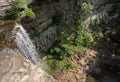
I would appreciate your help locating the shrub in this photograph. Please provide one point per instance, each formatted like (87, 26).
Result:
(29, 13)
(20, 8)
(85, 39)
(70, 41)
(57, 52)
(60, 64)
(86, 7)
(70, 65)
(99, 35)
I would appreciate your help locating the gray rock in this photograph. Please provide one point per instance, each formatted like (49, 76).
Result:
(46, 39)
(4, 6)
(15, 68)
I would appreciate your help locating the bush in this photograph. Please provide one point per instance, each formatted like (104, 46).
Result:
(70, 65)
(29, 13)
(99, 35)
(20, 8)
(85, 39)
(86, 7)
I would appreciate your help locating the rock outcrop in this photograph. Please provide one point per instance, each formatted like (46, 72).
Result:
(15, 68)
(4, 6)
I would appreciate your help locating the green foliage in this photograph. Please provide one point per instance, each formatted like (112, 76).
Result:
(58, 18)
(99, 35)
(20, 8)
(46, 66)
(82, 38)
(70, 49)
(86, 7)
(14, 14)
(1, 17)
(57, 53)
(70, 41)
(93, 25)
(29, 13)
(85, 39)
(20, 4)
(53, 63)
(57, 50)
(60, 64)
(97, 31)
(70, 65)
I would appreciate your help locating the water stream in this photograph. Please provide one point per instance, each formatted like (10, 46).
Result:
(24, 44)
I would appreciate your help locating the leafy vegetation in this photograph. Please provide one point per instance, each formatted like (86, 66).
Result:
(70, 65)
(82, 37)
(29, 13)
(86, 7)
(70, 41)
(19, 9)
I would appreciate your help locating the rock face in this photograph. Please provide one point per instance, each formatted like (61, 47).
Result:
(4, 6)
(15, 68)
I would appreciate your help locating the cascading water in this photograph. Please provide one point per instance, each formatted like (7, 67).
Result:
(24, 44)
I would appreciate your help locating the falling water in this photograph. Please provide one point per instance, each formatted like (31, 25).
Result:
(24, 44)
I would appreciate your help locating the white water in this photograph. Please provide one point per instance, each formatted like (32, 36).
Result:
(24, 44)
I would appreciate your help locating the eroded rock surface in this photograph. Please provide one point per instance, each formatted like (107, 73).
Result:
(15, 68)
(4, 6)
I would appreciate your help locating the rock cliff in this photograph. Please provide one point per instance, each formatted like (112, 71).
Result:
(15, 68)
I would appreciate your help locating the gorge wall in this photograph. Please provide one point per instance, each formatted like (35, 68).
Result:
(41, 25)
(44, 36)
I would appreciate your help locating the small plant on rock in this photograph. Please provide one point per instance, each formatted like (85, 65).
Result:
(20, 9)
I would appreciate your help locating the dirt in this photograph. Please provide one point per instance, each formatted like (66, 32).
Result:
(84, 63)
(102, 53)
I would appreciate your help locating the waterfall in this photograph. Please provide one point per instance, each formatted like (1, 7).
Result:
(24, 44)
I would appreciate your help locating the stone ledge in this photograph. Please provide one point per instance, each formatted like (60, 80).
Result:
(15, 68)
